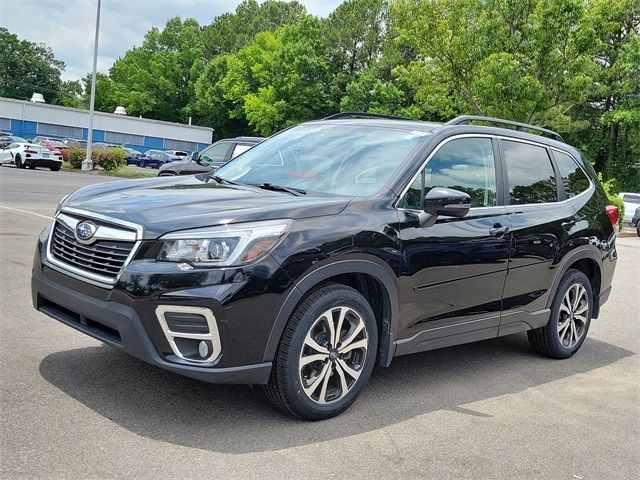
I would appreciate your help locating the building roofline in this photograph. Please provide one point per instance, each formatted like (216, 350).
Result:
(96, 112)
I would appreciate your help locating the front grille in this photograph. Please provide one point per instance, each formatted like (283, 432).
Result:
(103, 257)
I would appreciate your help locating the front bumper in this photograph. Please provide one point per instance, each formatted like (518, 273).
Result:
(120, 326)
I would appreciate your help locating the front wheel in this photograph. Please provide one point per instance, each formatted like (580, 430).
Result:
(141, 163)
(326, 354)
(568, 325)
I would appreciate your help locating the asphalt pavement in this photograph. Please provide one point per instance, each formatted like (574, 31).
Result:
(71, 407)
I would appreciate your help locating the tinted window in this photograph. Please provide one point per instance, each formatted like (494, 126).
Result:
(215, 153)
(467, 165)
(531, 176)
(631, 198)
(573, 178)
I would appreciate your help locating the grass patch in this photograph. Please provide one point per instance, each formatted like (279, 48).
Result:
(123, 172)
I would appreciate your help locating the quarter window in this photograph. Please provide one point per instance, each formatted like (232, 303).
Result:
(530, 173)
(574, 179)
(465, 164)
(215, 154)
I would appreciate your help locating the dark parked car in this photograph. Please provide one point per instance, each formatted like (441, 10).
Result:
(132, 156)
(6, 140)
(156, 158)
(211, 158)
(334, 246)
(635, 221)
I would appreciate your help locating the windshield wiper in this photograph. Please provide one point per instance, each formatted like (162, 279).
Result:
(279, 188)
(223, 181)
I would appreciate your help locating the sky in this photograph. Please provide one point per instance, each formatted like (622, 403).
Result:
(68, 26)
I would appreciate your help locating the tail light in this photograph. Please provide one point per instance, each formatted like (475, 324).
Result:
(613, 214)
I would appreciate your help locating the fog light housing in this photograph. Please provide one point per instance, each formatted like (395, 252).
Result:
(203, 349)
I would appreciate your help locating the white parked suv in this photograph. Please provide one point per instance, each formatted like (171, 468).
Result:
(631, 202)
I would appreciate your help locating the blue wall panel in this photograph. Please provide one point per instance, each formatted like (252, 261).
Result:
(16, 127)
(153, 142)
(98, 135)
(29, 129)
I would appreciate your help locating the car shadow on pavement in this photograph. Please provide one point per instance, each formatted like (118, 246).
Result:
(236, 419)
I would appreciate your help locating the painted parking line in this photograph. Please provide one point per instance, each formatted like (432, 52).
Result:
(26, 211)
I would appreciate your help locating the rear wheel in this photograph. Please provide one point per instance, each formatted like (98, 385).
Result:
(18, 161)
(326, 354)
(55, 168)
(568, 325)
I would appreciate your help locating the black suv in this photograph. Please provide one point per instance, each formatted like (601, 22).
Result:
(335, 246)
(211, 158)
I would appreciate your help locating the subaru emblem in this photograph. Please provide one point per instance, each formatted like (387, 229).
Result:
(85, 230)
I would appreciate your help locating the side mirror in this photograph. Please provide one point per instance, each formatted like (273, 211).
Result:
(443, 201)
(195, 156)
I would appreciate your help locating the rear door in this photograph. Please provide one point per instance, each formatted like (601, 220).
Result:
(453, 272)
(541, 222)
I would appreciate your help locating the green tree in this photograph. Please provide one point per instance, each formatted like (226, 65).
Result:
(281, 78)
(157, 79)
(27, 67)
(230, 32)
(105, 101)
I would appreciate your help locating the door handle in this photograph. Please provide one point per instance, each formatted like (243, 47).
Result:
(498, 231)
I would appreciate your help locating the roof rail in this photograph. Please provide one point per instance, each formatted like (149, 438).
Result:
(362, 115)
(521, 127)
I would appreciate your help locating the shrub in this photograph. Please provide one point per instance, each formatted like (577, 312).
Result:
(76, 157)
(109, 159)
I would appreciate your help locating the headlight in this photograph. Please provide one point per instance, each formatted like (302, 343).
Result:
(235, 244)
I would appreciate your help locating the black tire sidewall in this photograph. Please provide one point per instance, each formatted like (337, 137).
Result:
(331, 297)
(571, 278)
(18, 161)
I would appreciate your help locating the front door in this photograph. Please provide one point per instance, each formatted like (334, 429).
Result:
(453, 272)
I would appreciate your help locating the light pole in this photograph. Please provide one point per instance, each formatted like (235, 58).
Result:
(88, 163)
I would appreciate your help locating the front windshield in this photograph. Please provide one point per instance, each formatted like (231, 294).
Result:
(354, 160)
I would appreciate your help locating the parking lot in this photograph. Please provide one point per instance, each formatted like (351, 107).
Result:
(74, 408)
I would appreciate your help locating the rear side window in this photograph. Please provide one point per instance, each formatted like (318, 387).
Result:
(530, 173)
(466, 164)
(631, 198)
(574, 180)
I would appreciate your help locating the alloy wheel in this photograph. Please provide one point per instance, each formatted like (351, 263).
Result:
(573, 315)
(333, 355)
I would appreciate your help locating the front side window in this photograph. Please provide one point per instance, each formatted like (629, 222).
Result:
(465, 164)
(340, 159)
(215, 154)
(574, 179)
(530, 173)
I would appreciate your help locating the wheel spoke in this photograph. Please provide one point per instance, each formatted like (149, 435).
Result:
(310, 342)
(357, 329)
(310, 389)
(343, 314)
(355, 374)
(562, 327)
(582, 309)
(574, 334)
(564, 308)
(328, 318)
(343, 380)
(582, 318)
(565, 331)
(316, 357)
(578, 296)
(325, 384)
(354, 346)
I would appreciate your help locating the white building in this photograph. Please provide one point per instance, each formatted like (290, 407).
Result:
(29, 119)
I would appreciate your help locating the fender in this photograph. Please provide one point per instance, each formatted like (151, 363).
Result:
(587, 251)
(321, 271)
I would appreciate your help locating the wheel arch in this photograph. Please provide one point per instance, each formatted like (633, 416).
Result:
(370, 276)
(587, 260)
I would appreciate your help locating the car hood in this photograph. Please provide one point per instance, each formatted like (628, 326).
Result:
(163, 205)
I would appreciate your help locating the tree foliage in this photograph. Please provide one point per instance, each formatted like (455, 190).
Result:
(571, 65)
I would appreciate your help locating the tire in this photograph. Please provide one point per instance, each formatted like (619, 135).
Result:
(18, 161)
(569, 323)
(141, 163)
(55, 168)
(334, 388)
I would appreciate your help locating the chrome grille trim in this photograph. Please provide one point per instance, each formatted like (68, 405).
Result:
(99, 262)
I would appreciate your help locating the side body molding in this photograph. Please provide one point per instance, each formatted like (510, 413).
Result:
(370, 265)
